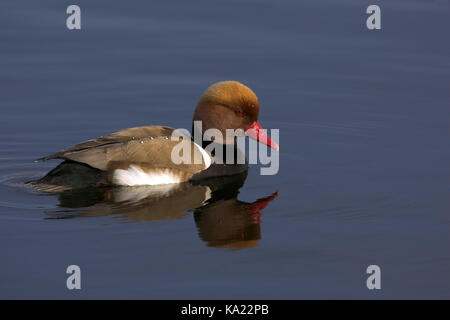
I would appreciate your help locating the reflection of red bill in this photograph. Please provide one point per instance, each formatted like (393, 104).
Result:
(255, 131)
(260, 204)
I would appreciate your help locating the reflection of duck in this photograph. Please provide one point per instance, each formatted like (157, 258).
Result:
(221, 219)
(144, 155)
(231, 223)
(141, 203)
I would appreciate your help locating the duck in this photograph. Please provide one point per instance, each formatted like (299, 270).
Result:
(143, 155)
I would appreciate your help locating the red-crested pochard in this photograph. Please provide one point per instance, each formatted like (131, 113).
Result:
(142, 155)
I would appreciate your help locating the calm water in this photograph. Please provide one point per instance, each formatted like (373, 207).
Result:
(364, 162)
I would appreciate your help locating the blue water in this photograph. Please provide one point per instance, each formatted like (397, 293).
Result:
(364, 160)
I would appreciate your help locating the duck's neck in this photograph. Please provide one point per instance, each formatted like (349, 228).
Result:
(226, 148)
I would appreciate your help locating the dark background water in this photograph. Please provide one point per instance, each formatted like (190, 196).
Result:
(364, 130)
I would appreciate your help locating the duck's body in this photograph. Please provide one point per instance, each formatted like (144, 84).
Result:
(143, 155)
(130, 157)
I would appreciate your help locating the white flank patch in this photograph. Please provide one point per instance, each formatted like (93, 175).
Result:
(135, 176)
(205, 155)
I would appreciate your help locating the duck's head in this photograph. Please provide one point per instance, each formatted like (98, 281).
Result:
(231, 105)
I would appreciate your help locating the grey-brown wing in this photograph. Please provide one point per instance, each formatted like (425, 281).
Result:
(113, 138)
(154, 152)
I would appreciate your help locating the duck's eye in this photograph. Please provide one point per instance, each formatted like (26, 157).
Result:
(239, 112)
